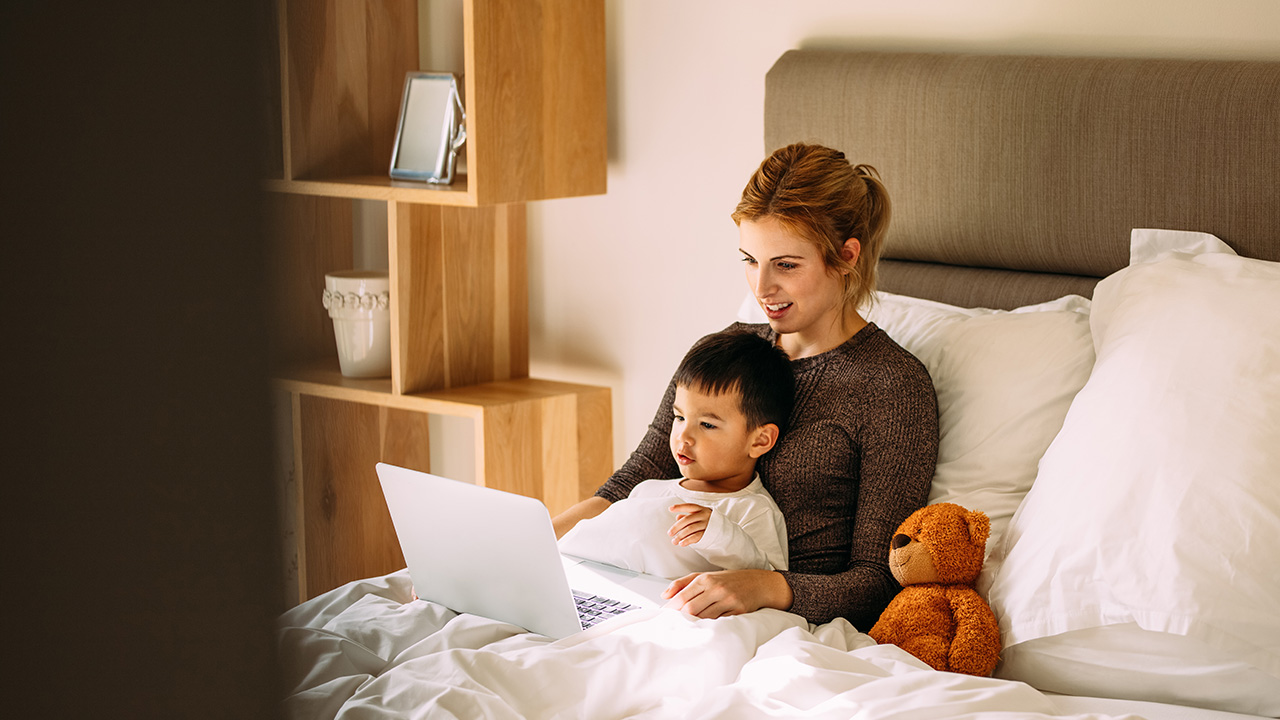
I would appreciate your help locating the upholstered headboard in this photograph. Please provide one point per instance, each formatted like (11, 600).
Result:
(1018, 179)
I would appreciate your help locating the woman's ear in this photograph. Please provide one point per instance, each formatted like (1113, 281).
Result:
(766, 436)
(851, 250)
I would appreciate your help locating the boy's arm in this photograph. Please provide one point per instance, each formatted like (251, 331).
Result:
(759, 542)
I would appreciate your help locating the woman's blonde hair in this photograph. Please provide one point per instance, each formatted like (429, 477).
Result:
(814, 192)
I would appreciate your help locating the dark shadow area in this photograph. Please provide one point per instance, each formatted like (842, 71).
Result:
(138, 532)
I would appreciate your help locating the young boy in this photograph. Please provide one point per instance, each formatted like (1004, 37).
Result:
(734, 394)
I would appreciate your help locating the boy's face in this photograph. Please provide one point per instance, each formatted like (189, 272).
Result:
(710, 438)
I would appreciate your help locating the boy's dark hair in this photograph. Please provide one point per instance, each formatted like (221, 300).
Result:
(743, 362)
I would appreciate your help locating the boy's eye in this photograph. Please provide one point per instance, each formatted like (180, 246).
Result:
(679, 418)
(707, 425)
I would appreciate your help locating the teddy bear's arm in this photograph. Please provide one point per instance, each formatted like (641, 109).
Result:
(886, 630)
(976, 647)
(908, 614)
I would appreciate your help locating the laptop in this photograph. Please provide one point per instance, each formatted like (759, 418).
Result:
(491, 553)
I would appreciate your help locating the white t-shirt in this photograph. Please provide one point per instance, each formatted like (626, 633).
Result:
(746, 530)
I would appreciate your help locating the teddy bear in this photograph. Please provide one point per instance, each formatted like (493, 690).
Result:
(938, 616)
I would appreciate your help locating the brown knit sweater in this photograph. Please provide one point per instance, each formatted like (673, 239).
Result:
(857, 459)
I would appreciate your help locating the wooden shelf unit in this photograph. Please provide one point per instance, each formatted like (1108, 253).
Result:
(534, 93)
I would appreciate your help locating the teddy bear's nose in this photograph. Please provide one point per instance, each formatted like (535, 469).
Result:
(901, 540)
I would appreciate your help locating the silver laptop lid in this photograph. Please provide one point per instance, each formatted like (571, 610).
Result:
(479, 550)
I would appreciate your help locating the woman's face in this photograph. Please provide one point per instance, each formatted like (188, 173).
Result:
(789, 279)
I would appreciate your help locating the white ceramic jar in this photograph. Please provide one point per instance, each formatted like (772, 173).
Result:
(359, 301)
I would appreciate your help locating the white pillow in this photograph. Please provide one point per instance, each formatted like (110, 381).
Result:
(1158, 503)
(1004, 381)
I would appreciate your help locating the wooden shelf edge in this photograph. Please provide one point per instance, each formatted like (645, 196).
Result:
(469, 402)
(372, 187)
(509, 392)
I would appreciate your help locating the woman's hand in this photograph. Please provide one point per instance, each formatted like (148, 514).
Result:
(691, 523)
(728, 592)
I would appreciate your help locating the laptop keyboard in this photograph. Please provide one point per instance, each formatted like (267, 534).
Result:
(593, 609)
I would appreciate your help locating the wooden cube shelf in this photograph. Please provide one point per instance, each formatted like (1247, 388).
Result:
(534, 96)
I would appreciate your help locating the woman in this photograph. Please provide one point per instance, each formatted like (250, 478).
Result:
(860, 452)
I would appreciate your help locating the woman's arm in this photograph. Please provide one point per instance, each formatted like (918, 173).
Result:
(588, 508)
(898, 457)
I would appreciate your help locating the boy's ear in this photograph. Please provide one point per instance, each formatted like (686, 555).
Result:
(766, 436)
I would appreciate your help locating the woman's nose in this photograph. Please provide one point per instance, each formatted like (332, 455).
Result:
(763, 281)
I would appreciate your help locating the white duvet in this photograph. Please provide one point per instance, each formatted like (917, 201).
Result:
(365, 650)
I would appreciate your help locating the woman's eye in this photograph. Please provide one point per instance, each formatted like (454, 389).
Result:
(749, 260)
(786, 266)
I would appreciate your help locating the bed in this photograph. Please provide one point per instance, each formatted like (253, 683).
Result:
(1084, 254)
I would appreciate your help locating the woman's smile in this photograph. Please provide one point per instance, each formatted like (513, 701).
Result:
(775, 311)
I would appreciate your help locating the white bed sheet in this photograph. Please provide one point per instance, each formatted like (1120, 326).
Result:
(1153, 711)
(363, 650)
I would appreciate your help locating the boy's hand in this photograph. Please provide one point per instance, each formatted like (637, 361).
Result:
(690, 524)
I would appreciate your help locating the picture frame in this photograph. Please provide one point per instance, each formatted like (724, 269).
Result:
(431, 129)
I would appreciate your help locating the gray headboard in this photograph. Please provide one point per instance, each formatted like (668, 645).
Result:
(1017, 179)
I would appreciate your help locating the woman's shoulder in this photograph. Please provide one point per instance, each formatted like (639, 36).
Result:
(761, 329)
(890, 351)
(872, 358)
(873, 384)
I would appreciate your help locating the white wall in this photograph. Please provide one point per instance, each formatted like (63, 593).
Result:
(621, 284)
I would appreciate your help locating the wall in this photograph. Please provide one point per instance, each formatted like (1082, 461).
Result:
(622, 284)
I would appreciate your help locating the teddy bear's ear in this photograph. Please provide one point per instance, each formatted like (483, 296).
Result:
(979, 527)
